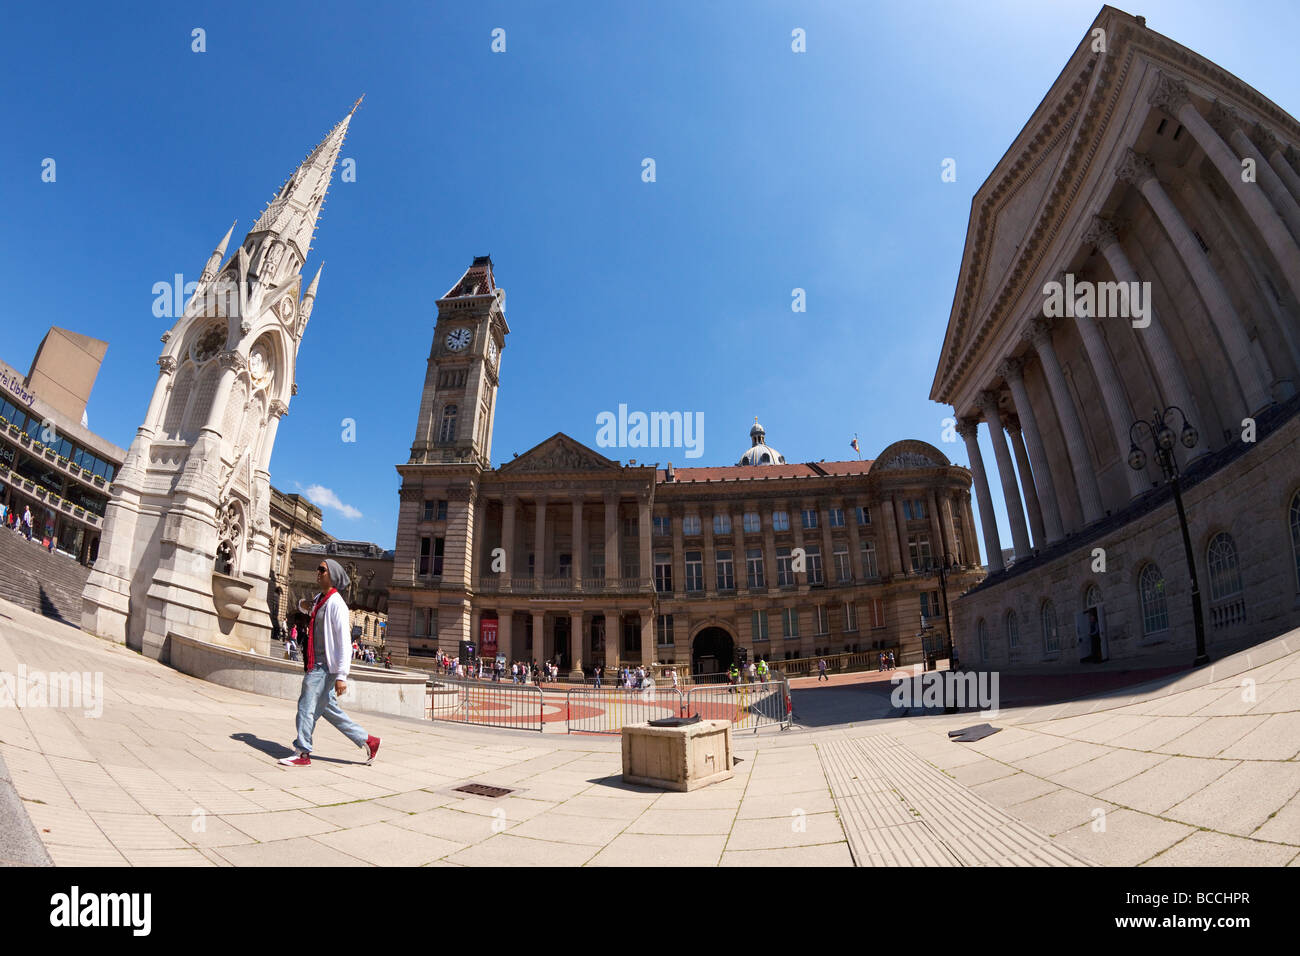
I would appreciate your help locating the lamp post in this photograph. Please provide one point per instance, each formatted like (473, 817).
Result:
(1162, 440)
(942, 570)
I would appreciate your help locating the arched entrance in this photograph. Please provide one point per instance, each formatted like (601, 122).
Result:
(712, 651)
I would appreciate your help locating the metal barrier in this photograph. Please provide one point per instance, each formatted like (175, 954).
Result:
(488, 703)
(608, 710)
(747, 706)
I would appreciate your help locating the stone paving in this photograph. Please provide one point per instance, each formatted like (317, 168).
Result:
(176, 771)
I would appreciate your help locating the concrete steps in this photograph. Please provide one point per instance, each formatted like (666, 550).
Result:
(31, 577)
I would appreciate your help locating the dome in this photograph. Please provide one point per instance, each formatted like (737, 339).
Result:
(760, 453)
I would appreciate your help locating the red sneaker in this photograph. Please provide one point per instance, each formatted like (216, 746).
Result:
(298, 760)
(372, 745)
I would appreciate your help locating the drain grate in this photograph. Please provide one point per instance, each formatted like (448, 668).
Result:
(483, 790)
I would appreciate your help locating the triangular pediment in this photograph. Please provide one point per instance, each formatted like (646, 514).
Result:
(559, 453)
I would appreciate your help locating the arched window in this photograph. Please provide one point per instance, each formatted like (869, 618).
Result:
(1227, 604)
(1151, 592)
(1051, 636)
(1092, 597)
(1295, 535)
(1013, 630)
(447, 433)
(982, 633)
(1225, 574)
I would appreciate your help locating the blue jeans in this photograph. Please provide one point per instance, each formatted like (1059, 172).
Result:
(318, 700)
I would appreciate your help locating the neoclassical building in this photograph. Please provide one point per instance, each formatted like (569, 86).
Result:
(1138, 247)
(563, 553)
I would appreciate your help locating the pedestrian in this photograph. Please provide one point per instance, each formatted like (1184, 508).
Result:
(597, 673)
(27, 522)
(327, 665)
(821, 671)
(675, 683)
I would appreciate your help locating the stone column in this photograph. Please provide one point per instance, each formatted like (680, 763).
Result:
(579, 545)
(577, 649)
(505, 640)
(1225, 122)
(613, 549)
(1118, 410)
(769, 549)
(1138, 171)
(968, 429)
(710, 555)
(167, 371)
(968, 518)
(1010, 489)
(643, 525)
(738, 539)
(647, 637)
(539, 547)
(539, 637)
(855, 541)
(508, 539)
(474, 553)
(1272, 148)
(949, 527)
(1026, 472)
(613, 643)
(890, 561)
(1085, 477)
(900, 522)
(1160, 350)
(942, 543)
(828, 546)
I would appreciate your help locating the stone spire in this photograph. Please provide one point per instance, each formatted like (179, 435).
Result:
(218, 255)
(291, 216)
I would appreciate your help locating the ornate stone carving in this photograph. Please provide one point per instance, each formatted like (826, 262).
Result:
(557, 457)
(166, 337)
(410, 494)
(167, 364)
(1100, 233)
(908, 459)
(1011, 423)
(1292, 156)
(245, 326)
(293, 389)
(1169, 95)
(1039, 333)
(1135, 169)
(1268, 143)
(232, 358)
(278, 408)
(968, 428)
(988, 401)
(210, 343)
(1012, 370)
(1224, 119)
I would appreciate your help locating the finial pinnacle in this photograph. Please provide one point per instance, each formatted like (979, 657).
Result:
(356, 104)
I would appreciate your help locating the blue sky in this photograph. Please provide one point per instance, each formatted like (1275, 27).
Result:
(774, 170)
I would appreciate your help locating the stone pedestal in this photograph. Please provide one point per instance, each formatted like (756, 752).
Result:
(677, 758)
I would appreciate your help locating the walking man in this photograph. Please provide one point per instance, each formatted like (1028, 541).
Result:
(327, 662)
(821, 671)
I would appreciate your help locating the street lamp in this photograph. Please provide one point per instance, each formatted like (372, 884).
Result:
(1162, 439)
(942, 570)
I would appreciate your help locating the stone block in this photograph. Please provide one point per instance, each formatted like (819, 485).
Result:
(677, 758)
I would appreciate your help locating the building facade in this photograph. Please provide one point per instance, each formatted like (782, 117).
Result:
(370, 572)
(564, 554)
(50, 461)
(1137, 248)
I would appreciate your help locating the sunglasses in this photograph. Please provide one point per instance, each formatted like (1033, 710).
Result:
(322, 570)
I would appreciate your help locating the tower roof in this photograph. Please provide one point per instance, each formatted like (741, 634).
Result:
(293, 212)
(477, 280)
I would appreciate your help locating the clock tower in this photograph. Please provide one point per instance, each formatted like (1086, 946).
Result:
(460, 385)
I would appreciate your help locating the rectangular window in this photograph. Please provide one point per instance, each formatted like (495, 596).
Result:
(759, 625)
(430, 507)
(631, 528)
(752, 523)
(823, 620)
(438, 550)
(566, 566)
(843, 570)
(837, 517)
(784, 572)
(789, 623)
(726, 571)
(420, 623)
(754, 567)
(598, 565)
(691, 524)
(918, 551)
(850, 616)
(442, 510)
(780, 521)
(810, 518)
(869, 567)
(662, 525)
(426, 546)
(663, 573)
(876, 611)
(664, 627)
(814, 558)
(632, 635)
(694, 571)
(914, 509)
(722, 524)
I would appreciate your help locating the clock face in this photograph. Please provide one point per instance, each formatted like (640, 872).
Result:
(492, 351)
(458, 339)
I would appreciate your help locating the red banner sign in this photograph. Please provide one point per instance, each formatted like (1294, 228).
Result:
(487, 642)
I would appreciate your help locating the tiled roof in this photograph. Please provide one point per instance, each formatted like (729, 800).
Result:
(818, 469)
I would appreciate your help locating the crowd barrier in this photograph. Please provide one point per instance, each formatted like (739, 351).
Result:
(487, 703)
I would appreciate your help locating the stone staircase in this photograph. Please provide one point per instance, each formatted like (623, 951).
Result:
(31, 577)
